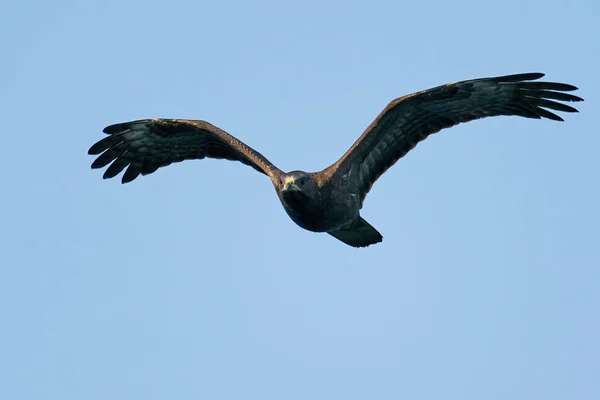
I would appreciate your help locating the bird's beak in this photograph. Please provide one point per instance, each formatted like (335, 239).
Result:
(290, 185)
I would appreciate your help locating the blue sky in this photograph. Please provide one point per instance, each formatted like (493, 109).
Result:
(192, 283)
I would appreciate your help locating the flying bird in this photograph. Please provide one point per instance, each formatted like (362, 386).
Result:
(330, 200)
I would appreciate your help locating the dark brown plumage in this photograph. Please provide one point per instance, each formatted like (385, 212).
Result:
(330, 200)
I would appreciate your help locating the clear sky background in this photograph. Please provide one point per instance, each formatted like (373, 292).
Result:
(192, 283)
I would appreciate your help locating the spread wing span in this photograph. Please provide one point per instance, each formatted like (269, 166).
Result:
(408, 120)
(145, 145)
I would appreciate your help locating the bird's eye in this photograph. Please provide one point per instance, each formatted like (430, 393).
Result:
(301, 181)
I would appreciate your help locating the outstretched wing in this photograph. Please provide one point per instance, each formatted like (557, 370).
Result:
(144, 146)
(410, 119)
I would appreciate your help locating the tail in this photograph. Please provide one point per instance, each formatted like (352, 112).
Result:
(361, 234)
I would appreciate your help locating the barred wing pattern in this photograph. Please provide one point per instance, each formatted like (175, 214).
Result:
(143, 146)
(408, 120)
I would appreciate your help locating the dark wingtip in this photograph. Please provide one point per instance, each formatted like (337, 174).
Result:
(97, 164)
(565, 87)
(532, 76)
(576, 98)
(126, 179)
(115, 128)
(107, 175)
(569, 88)
(100, 146)
(124, 126)
(529, 76)
(96, 149)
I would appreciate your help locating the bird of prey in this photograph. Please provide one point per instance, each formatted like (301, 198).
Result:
(330, 200)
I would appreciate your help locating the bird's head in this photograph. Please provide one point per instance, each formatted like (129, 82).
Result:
(298, 182)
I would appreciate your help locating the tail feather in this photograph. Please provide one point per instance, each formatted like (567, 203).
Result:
(361, 234)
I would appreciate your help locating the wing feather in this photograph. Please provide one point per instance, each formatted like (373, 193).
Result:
(408, 120)
(141, 147)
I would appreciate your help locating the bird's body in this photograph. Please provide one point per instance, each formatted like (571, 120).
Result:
(330, 200)
(325, 209)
